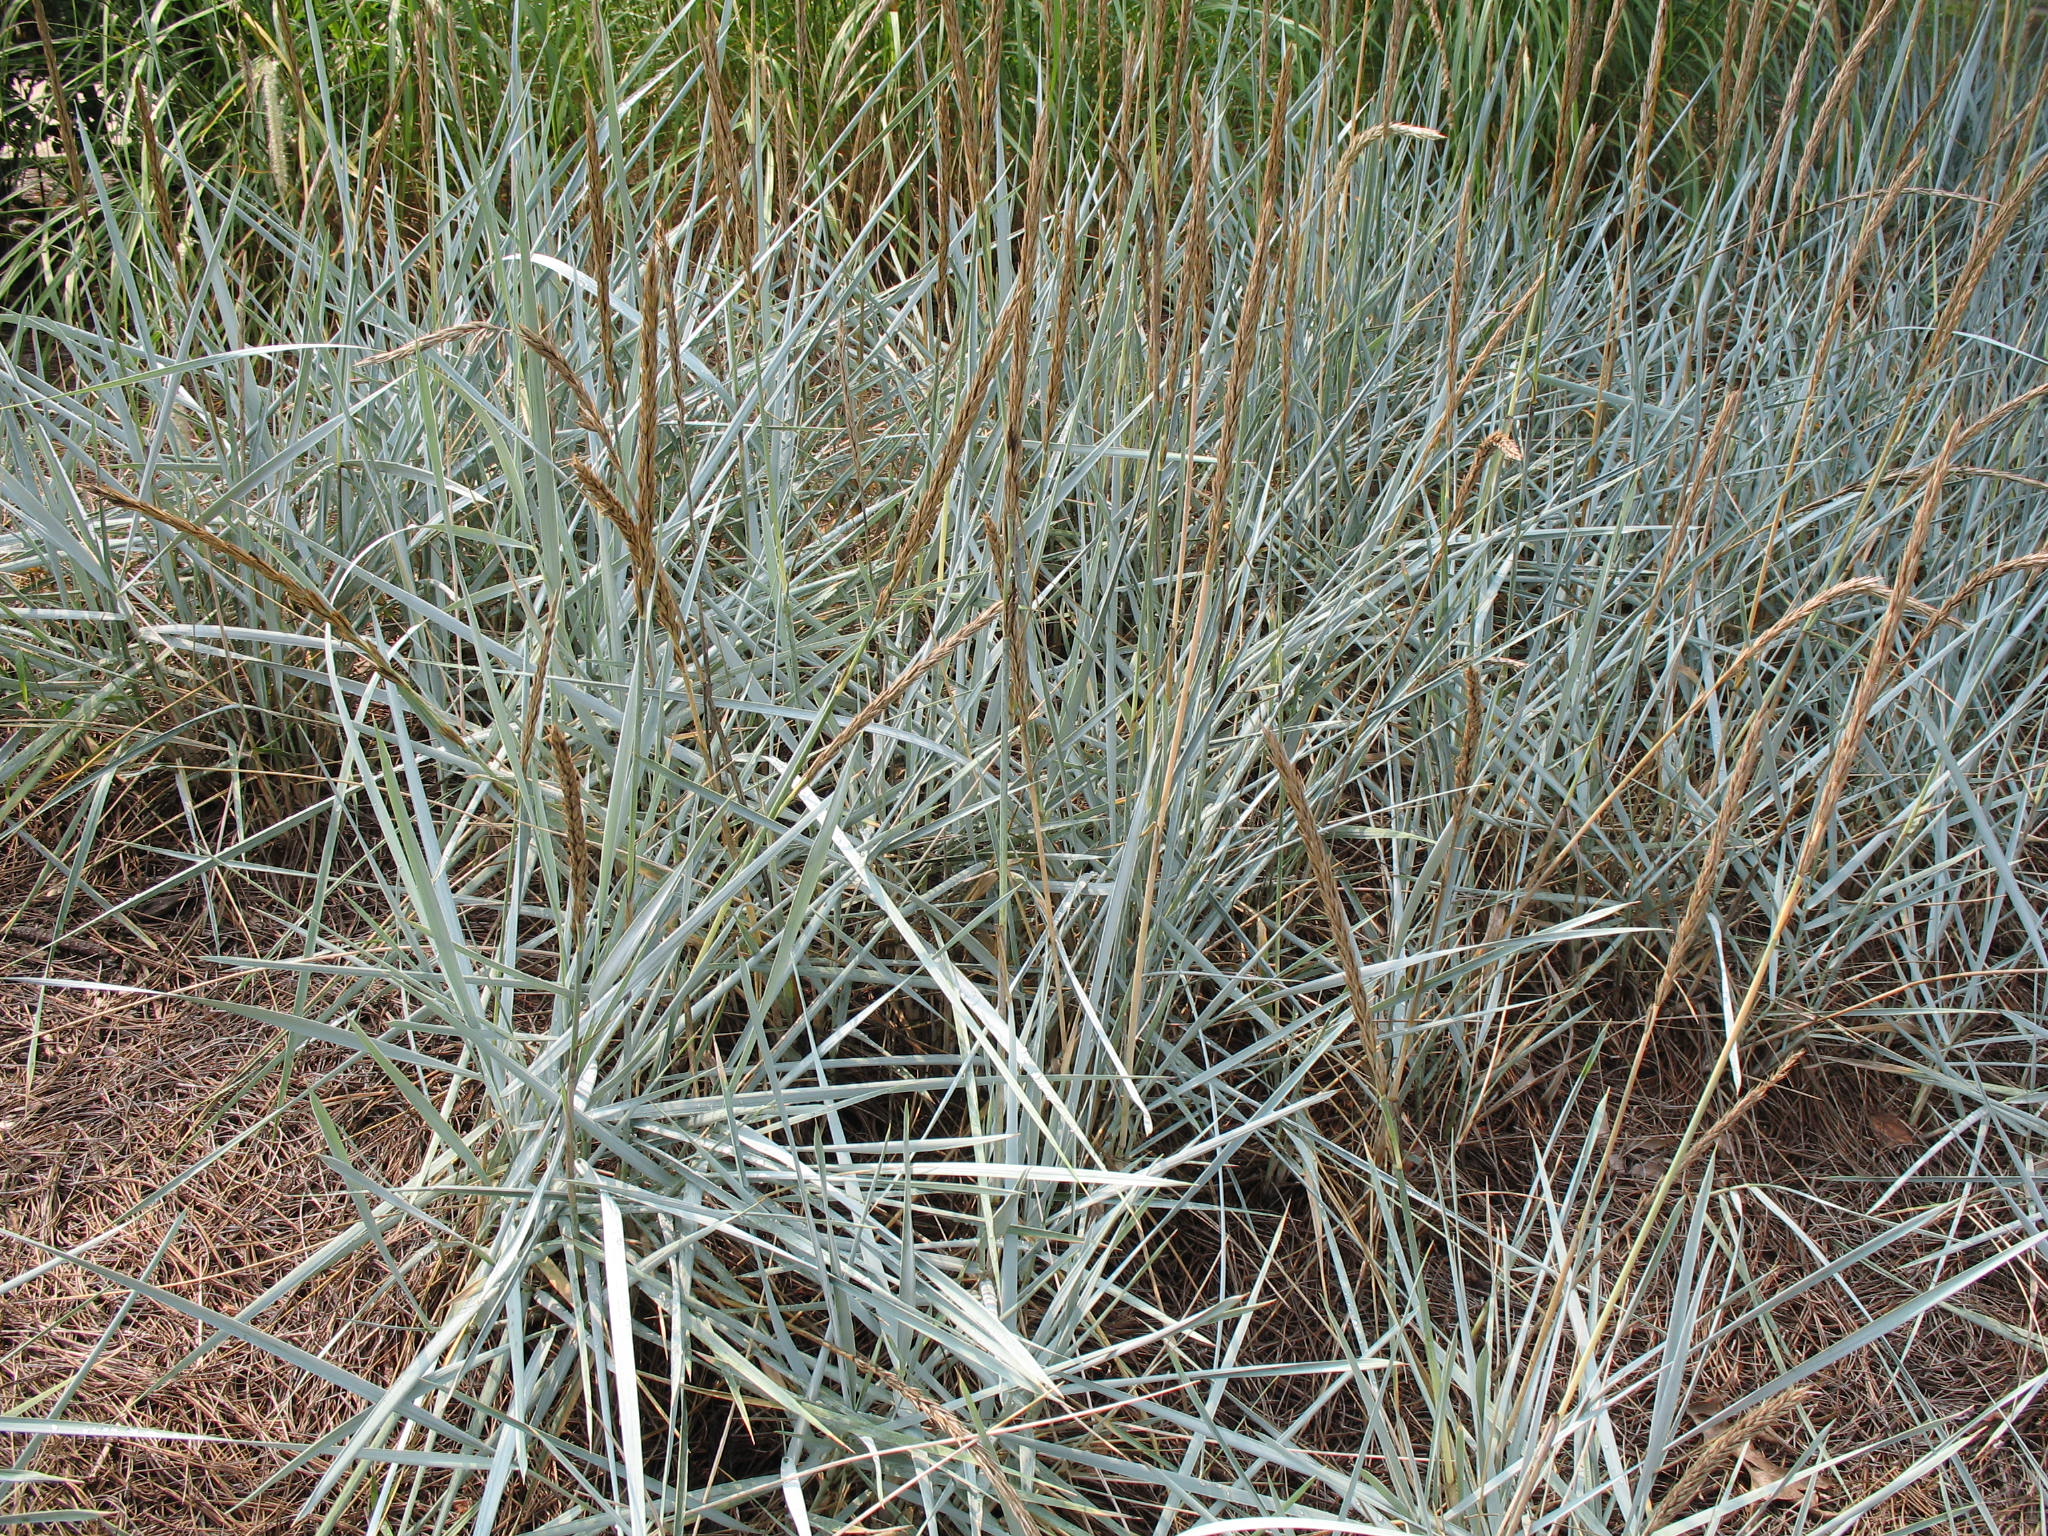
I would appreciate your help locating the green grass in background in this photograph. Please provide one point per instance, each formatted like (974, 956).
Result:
(1122, 805)
(281, 89)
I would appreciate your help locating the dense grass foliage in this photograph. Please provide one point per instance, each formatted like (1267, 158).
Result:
(1102, 818)
(906, 110)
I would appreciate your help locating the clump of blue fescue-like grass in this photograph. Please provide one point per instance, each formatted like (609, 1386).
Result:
(932, 843)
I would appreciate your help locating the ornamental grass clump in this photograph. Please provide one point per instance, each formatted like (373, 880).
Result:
(1289, 829)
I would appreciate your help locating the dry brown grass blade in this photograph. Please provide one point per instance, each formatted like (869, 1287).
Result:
(153, 169)
(1724, 1443)
(1838, 92)
(1468, 739)
(1742, 1106)
(60, 104)
(646, 477)
(536, 704)
(1856, 586)
(2038, 561)
(432, 339)
(1331, 896)
(649, 579)
(917, 532)
(581, 866)
(305, 598)
(949, 1424)
(599, 219)
(587, 414)
(880, 703)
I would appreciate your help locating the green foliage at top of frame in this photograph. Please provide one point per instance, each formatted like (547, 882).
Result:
(1503, 75)
(1566, 95)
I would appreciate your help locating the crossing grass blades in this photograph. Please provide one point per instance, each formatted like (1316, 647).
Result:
(1327, 820)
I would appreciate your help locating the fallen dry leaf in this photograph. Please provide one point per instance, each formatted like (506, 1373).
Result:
(1763, 1472)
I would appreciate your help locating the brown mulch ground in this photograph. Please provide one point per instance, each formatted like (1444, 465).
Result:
(1840, 1134)
(106, 1098)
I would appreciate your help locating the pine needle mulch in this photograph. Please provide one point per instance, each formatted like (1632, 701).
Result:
(138, 1120)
